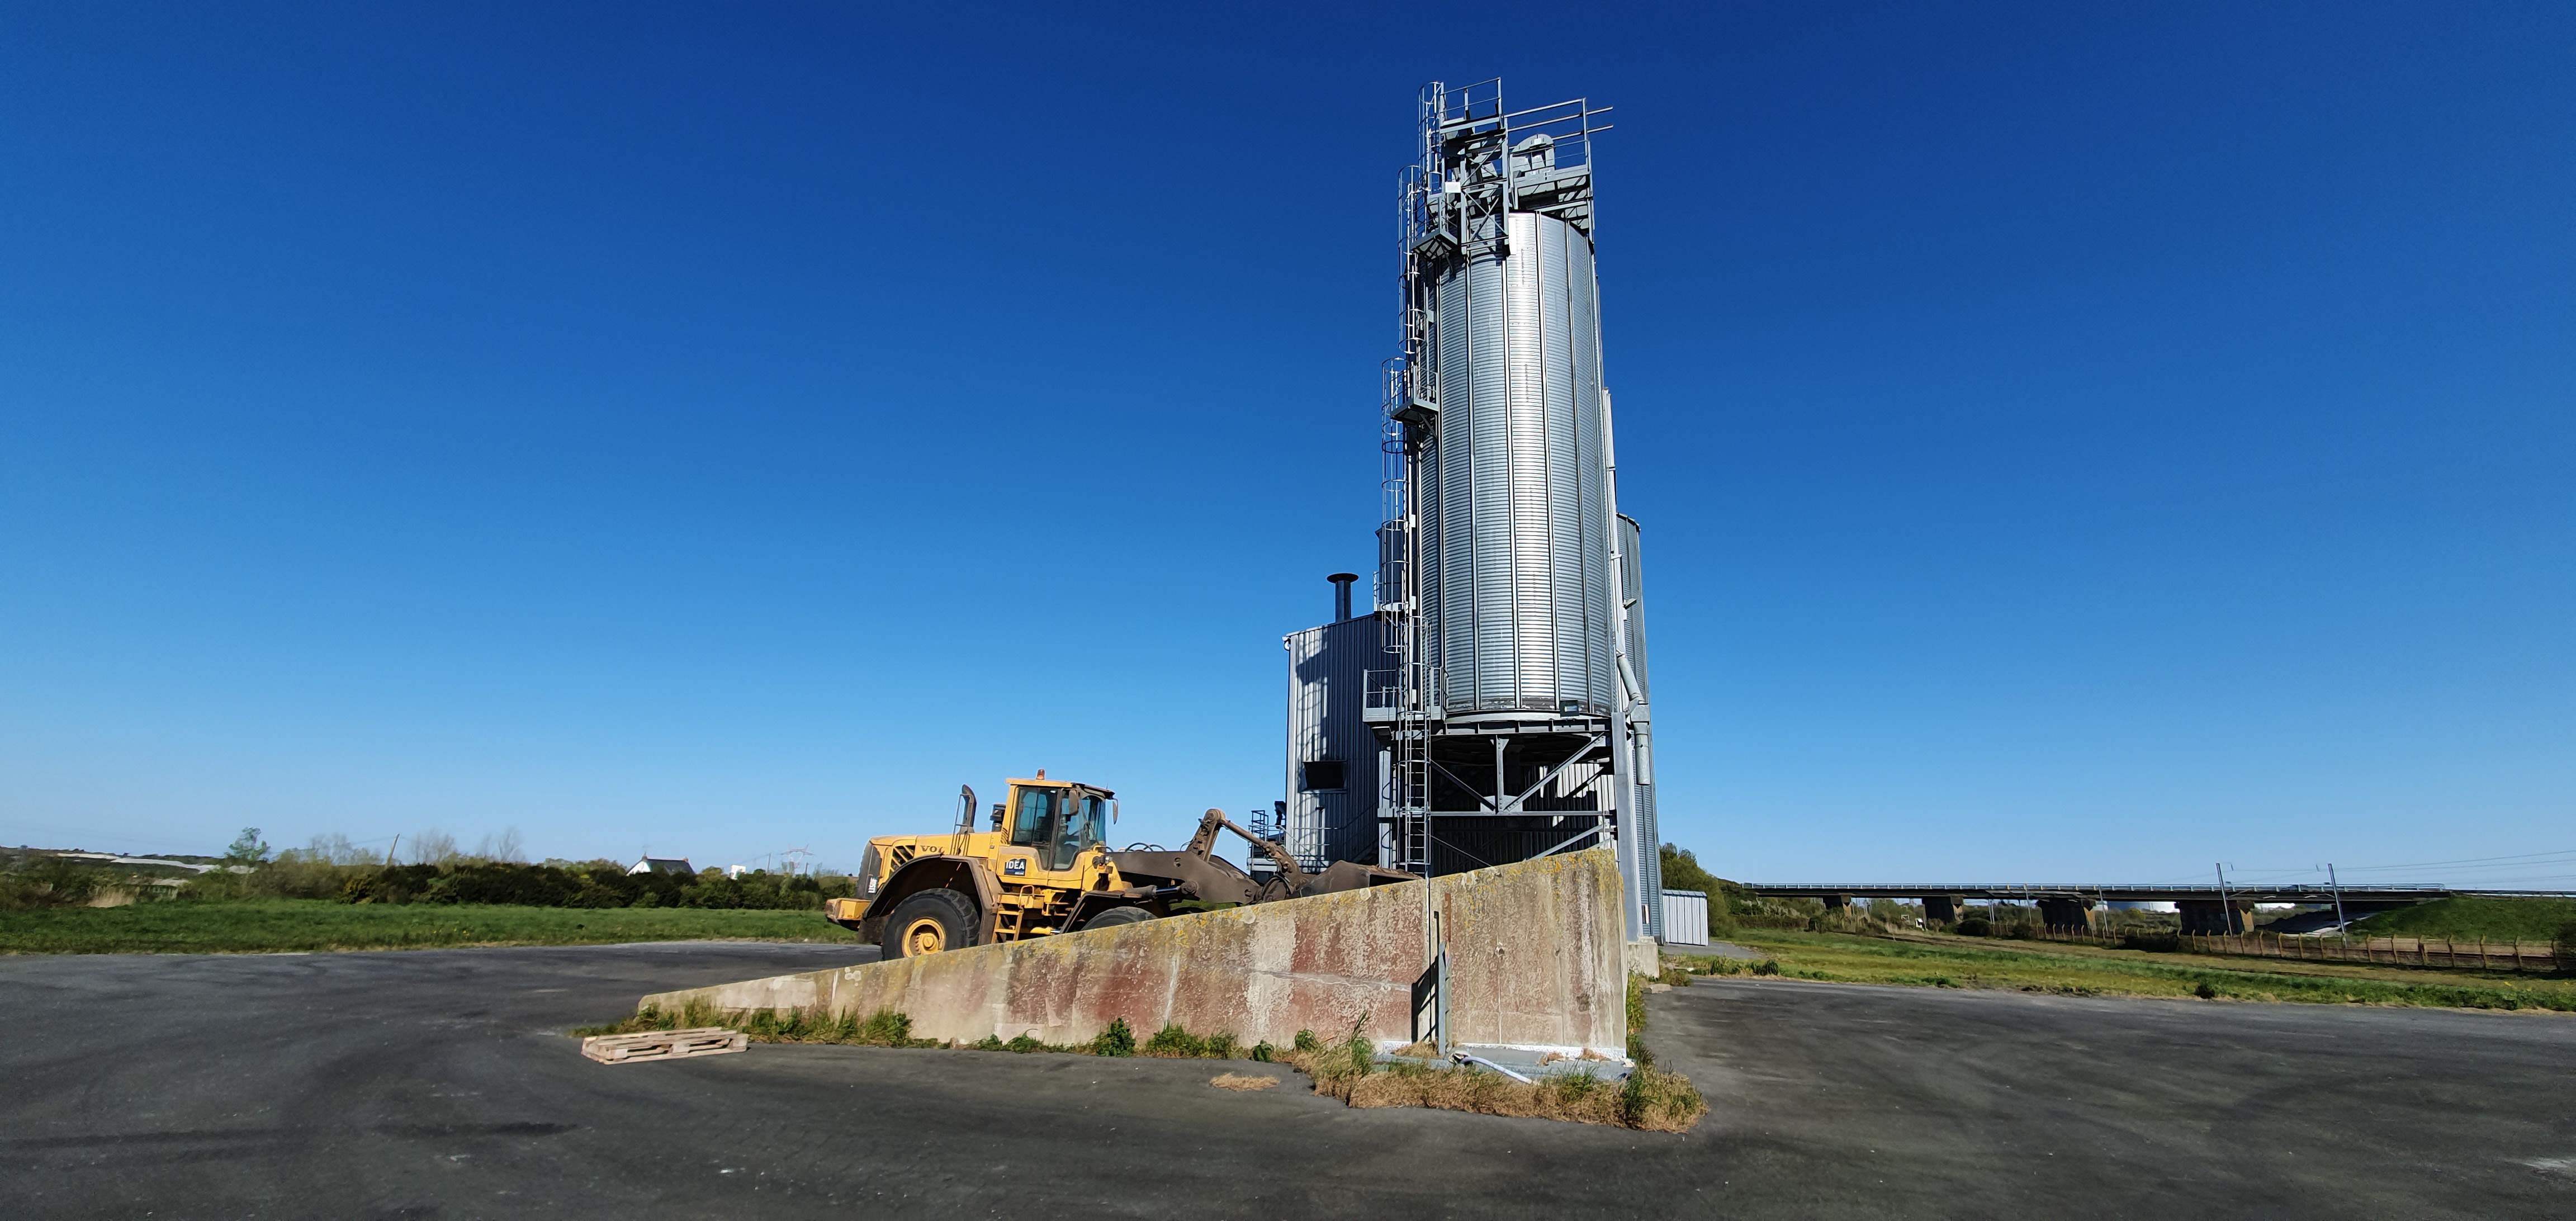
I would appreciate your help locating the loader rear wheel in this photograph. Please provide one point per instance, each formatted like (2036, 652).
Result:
(926, 923)
(1117, 916)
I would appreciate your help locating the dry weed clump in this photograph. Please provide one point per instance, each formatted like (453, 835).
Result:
(883, 1028)
(1240, 1083)
(1649, 1100)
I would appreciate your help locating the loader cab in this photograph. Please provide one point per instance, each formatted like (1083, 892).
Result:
(1058, 820)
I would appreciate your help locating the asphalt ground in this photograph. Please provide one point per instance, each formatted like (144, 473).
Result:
(439, 1083)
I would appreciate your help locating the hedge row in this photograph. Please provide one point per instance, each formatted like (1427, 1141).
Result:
(593, 885)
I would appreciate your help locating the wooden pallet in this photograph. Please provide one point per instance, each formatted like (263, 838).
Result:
(663, 1044)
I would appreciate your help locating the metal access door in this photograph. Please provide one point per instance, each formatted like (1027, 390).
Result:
(1685, 917)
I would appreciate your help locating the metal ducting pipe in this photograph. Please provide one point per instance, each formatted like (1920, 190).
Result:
(1342, 594)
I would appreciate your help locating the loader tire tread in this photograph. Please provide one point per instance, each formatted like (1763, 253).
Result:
(1117, 916)
(955, 914)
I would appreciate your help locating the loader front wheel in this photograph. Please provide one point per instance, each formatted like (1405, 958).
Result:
(1117, 916)
(926, 923)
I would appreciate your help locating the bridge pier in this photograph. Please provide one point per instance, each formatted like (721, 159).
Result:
(2210, 917)
(1837, 901)
(2067, 915)
(1941, 909)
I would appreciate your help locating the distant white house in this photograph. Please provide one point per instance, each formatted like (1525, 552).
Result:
(661, 864)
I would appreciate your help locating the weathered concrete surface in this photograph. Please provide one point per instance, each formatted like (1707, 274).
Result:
(1641, 957)
(440, 1084)
(1535, 958)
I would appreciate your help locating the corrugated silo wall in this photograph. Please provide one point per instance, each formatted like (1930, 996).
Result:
(1514, 573)
(1328, 670)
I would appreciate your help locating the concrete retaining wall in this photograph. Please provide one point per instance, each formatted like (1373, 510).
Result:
(1534, 950)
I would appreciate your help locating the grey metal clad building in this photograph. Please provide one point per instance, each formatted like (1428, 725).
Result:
(1685, 918)
(1502, 678)
(1332, 780)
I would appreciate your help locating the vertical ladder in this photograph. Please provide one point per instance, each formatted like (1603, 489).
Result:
(1409, 759)
(1411, 380)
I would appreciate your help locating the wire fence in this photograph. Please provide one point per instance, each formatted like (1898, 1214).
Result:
(2481, 954)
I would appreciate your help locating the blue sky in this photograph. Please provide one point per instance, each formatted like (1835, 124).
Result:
(2073, 442)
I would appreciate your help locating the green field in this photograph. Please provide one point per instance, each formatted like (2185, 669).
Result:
(1959, 962)
(268, 925)
(2470, 917)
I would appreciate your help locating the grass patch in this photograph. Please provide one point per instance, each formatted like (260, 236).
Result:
(2076, 970)
(269, 925)
(2469, 917)
(883, 1028)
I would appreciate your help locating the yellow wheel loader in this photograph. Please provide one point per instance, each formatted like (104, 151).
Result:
(1044, 866)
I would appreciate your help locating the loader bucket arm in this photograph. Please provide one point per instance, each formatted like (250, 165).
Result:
(1188, 875)
(1204, 843)
(1197, 871)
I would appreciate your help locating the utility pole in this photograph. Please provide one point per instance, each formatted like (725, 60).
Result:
(2337, 886)
(2226, 910)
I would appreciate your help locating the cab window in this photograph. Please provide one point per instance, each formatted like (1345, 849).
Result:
(1033, 825)
(1086, 823)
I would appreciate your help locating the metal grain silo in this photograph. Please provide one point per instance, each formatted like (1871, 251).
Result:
(1500, 678)
(1515, 500)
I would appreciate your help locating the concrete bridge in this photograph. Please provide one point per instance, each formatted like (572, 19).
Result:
(2204, 909)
